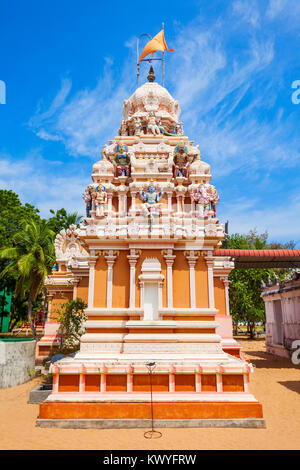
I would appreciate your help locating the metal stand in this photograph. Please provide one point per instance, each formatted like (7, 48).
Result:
(152, 434)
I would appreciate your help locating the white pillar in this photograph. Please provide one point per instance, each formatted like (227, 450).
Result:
(169, 257)
(226, 285)
(110, 257)
(109, 204)
(91, 283)
(210, 276)
(132, 258)
(169, 195)
(133, 205)
(192, 257)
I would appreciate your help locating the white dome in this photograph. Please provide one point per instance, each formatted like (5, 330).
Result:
(151, 97)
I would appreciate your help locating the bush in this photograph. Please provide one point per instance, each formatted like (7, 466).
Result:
(71, 318)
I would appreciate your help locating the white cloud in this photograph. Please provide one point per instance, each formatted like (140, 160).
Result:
(248, 11)
(278, 220)
(47, 185)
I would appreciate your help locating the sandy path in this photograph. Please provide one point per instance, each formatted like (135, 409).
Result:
(275, 383)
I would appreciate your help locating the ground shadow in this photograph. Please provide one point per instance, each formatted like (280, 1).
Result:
(264, 360)
(293, 385)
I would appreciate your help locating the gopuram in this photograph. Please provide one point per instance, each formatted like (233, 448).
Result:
(143, 261)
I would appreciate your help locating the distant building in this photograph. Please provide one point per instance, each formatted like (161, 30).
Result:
(5, 305)
(282, 302)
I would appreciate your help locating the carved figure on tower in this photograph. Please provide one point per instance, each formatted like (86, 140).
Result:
(100, 198)
(87, 197)
(123, 128)
(181, 161)
(151, 197)
(138, 128)
(179, 129)
(122, 160)
(152, 127)
(214, 198)
(206, 197)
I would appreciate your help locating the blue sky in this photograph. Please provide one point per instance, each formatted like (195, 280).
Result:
(68, 66)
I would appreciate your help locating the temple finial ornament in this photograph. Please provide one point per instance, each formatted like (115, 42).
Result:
(151, 76)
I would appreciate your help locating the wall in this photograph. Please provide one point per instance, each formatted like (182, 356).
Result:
(16, 359)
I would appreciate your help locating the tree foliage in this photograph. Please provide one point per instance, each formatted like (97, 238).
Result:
(62, 220)
(71, 319)
(31, 259)
(246, 304)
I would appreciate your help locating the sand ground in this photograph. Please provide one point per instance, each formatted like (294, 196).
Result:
(275, 383)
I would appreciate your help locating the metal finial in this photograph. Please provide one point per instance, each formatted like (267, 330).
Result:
(151, 76)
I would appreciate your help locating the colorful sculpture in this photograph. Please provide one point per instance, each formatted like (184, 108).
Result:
(122, 160)
(152, 127)
(123, 128)
(151, 198)
(181, 161)
(87, 197)
(178, 129)
(206, 197)
(100, 198)
(138, 128)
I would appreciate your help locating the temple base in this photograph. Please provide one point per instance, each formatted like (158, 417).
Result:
(146, 423)
(88, 414)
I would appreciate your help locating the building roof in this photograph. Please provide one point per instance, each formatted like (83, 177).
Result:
(262, 258)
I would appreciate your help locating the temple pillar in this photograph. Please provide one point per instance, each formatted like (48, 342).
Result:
(169, 257)
(91, 263)
(192, 257)
(210, 276)
(133, 203)
(132, 258)
(226, 285)
(110, 256)
(169, 196)
(75, 285)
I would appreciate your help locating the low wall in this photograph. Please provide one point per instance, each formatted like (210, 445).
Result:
(16, 360)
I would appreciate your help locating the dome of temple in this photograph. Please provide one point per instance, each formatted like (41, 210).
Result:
(151, 97)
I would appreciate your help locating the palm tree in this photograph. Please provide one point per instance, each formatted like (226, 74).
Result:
(62, 220)
(32, 257)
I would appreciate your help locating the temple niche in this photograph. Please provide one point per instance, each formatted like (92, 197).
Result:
(143, 261)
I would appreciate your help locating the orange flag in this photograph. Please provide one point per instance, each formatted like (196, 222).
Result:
(158, 43)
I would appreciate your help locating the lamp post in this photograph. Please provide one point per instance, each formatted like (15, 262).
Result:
(152, 434)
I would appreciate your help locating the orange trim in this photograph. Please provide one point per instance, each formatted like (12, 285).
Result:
(161, 410)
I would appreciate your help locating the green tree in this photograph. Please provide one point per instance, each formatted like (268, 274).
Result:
(246, 303)
(12, 215)
(62, 220)
(71, 317)
(31, 257)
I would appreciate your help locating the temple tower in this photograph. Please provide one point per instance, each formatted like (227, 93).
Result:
(144, 262)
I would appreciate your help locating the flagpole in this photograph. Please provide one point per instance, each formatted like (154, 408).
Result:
(163, 61)
(137, 54)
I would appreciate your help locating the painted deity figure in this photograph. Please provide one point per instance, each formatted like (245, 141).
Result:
(122, 160)
(181, 161)
(162, 129)
(152, 127)
(138, 128)
(206, 197)
(151, 198)
(178, 130)
(213, 198)
(100, 198)
(123, 128)
(87, 197)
